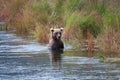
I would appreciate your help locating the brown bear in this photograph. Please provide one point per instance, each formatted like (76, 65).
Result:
(55, 42)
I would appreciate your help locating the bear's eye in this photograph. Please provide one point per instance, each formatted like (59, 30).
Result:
(60, 33)
(56, 33)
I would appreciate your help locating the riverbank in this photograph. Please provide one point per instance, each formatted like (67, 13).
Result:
(95, 22)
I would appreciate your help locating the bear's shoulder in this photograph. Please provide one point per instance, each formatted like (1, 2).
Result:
(55, 45)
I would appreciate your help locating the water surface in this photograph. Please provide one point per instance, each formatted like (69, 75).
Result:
(22, 59)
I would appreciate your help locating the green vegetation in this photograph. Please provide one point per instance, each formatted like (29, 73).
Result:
(91, 20)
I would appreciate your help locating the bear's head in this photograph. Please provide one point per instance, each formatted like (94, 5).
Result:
(56, 33)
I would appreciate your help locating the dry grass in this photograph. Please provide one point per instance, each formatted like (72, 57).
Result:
(41, 33)
(38, 16)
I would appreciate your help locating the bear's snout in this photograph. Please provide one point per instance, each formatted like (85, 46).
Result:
(58, 36)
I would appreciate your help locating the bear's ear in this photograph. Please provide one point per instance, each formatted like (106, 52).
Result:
(61, 29)
(51, 29)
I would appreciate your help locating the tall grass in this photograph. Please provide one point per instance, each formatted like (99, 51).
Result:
(41, 34)
(42, 11)
(100, 17)
(72, 26)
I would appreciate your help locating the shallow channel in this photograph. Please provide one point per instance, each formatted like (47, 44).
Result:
(22, 59)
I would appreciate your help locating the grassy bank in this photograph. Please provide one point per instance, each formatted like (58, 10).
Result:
(91, 20)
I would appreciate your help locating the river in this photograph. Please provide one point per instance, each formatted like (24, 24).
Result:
(25, 59)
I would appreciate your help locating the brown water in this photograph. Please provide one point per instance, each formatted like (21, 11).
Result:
(22, 59)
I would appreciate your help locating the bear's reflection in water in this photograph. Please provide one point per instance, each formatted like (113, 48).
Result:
(56, 58)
